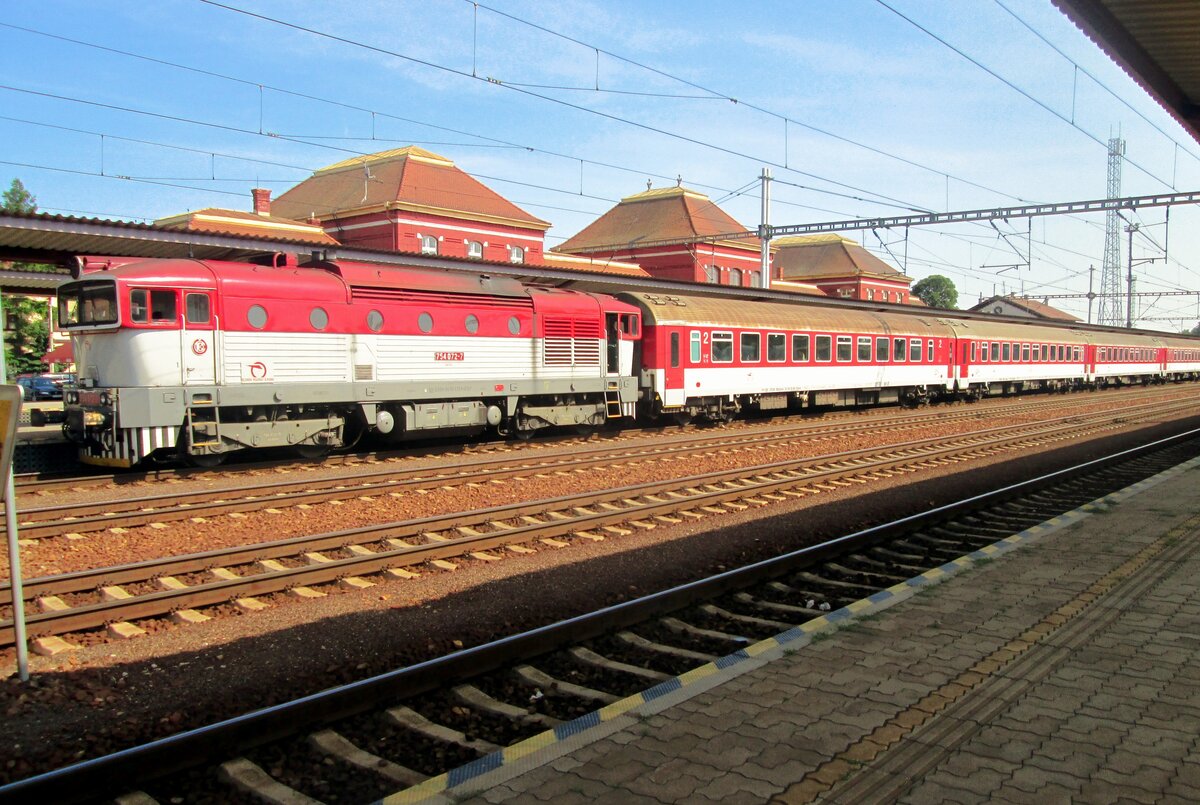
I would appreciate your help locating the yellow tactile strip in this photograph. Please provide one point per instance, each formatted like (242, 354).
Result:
(900, 726)
(544, 747)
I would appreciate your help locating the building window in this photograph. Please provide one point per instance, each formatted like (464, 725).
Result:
(755, 278)
(474, 249)
(735, 276)
(429, 244)
(870, 294)
(844, 293)
(712, 274)
(516, 254)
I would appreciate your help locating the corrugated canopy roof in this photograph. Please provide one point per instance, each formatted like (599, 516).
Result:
(1155, 41)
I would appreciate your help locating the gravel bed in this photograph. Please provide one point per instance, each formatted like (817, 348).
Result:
(114, 694)
(64, 554)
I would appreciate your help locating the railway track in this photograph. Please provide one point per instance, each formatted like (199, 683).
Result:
(358, 558)
(32, 484)
(128, 512)
(379, 735)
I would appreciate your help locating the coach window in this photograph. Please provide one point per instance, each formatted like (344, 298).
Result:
(375, 321)
(995, 351)
(914, 350)
(318, 318)
(776, 347)
(471, 323)
(929, 351)
(1025, 353)
(864, 349)
(1062, 352)
(845, 348)
(800, 349)
(1077, 353)
(196, 308)
(1006, 352)
(695, 344)
(881, 350)
(256, 317)
(429, 244)
(514, 325)
(1044, 355)
(898, 345)
(751, 347)
(674, 350)
(825, 348)
(974, 351)
(722, 347)
(425, 323)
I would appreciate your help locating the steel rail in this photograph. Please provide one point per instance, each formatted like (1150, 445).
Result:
(53, 521)
(710, 489)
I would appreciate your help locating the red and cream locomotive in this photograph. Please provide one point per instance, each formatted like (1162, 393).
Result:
(200, 358)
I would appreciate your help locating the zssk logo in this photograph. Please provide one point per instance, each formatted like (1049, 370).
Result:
(199, 346)
(258, 370)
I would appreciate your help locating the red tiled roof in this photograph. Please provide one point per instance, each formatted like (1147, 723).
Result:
(235, 222)
(404, 178)
(570, 262)
(811, 257)
(1038, 309)
(668, 215)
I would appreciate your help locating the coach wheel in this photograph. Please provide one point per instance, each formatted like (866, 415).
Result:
(311, 452)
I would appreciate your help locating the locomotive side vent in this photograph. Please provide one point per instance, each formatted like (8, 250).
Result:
(364, 371)
(572, 342)
(365, 293)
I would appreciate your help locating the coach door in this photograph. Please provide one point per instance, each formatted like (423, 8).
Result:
(198, 339)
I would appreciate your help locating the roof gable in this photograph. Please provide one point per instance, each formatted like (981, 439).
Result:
(810, 257)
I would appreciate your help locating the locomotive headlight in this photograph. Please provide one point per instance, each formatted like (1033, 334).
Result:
(105, 399)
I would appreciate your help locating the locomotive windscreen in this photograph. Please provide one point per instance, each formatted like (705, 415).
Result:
(87, 302)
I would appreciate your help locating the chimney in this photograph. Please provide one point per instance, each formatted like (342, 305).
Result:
(262, 201)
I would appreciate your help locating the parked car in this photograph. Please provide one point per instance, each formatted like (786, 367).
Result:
(39, 387)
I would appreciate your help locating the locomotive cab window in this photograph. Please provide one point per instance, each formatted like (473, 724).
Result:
(196, 309)
(87, 303)
(152, 307)
(722, 347)
(630, 324)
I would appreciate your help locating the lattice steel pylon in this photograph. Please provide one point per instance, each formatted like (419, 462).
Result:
(1111, 312)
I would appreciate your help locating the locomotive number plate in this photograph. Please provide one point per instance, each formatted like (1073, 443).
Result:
(449, 356)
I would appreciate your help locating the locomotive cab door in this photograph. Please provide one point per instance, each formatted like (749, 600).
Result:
(198, 339)
(621, 332)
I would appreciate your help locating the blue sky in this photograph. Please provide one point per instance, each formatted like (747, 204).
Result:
(884, 118)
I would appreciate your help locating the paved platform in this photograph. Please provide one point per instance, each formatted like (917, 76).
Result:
(1068, 670)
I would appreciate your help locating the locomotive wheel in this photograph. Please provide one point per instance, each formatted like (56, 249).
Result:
(205, 461)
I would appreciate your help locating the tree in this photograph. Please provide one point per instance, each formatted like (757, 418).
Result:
(28, 334)
(18, 199)
(936, 291)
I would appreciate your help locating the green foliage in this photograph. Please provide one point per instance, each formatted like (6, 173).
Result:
(27, 336)
(937, 291)
(18, 199)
